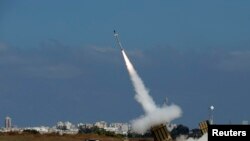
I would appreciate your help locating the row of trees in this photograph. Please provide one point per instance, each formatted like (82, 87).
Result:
(99, 131)
(179, 130)
(184, 130)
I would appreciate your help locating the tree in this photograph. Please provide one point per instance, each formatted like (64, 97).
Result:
(31, 131)
(179, 130)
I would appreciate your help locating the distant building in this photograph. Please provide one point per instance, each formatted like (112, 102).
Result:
(8, 123)
(118, 128)
(85, 125)
(101, 124)
(65, 125)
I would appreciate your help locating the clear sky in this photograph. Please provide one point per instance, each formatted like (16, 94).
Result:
(58, 60)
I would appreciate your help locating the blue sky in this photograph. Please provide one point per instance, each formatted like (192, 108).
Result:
(58, 59)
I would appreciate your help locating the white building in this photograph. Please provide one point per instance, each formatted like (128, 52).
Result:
(8, 123)
(118, 128)
(101, 124)
(65, 125)
(85, 125)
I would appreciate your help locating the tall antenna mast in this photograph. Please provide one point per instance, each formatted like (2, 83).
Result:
(211, 114)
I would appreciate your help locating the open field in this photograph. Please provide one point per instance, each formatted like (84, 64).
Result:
(32, 137)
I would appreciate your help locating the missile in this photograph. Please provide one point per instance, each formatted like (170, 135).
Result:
(117, 40)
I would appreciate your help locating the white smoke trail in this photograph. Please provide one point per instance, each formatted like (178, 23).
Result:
(142, 95)
(183, 138)
(154, 115)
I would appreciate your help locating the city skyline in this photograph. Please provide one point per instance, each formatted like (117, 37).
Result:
(58, 59)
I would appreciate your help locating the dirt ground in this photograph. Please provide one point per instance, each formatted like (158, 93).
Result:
(30, 137)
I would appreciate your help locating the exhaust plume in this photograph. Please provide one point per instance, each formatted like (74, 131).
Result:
(154, 114)
(184, 138)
